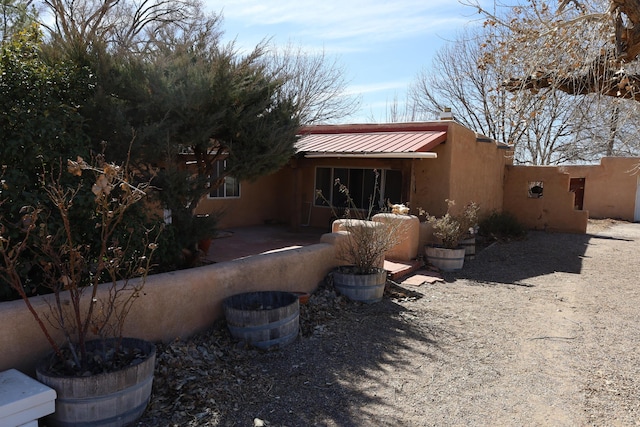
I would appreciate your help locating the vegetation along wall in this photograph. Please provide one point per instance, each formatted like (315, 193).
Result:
(178, 304)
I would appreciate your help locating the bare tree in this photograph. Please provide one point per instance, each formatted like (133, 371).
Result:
(119, 23)
(465, 76)
(578, 48)
(403, 111)
(315, 82)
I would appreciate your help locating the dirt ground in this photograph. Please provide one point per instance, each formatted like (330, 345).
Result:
(539, 332)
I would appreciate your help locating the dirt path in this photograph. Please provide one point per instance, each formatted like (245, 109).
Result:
(537, 332)
(563, 343)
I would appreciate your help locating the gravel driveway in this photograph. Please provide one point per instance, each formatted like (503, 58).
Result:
(536, 332)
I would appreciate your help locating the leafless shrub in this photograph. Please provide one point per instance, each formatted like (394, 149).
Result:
(367, 240)
(72, 271)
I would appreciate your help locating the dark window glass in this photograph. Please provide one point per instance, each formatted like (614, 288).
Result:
(393, 187)
(365, 187)
(323, 183)
(339, 199)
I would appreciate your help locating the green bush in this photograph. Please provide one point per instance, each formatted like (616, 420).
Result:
(502, 226)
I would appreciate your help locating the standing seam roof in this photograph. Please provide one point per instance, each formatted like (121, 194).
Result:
(371, 142)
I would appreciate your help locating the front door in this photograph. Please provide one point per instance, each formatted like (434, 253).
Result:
(576, 186)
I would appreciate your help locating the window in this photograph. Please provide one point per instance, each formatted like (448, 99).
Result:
(361, 184)
(230, 187)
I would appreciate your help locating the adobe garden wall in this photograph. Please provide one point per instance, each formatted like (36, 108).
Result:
(178, 304)
(539, 197)
(610, 187)
(610, 191)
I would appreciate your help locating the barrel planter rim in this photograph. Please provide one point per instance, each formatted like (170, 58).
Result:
(264, 328)
(101, 403)
(350, 269)
(227, 302)
(150, 352)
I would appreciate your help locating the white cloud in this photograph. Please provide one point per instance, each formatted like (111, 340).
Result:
(381, 42)
(353, 21)
(376, 87)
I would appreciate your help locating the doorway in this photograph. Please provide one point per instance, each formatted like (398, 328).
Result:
(576, 186)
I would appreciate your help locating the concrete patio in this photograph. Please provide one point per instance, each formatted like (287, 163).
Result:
(242, 242)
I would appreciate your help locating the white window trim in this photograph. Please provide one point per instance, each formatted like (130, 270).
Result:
(224, 187)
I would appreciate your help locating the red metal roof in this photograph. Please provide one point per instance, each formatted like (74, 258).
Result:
(392, 139)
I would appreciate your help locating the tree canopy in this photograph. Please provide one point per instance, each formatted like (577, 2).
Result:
(577, 46)
(149, 83)
(550, 127)
(39, 119)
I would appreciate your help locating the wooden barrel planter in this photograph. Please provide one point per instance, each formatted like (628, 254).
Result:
(367, 288)
(112, 399)
(469, 246)
(445, 259)
(263, 319)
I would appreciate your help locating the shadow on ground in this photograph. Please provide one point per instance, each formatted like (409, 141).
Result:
(515, 262)
(344, 370)
(318, 380)
(335, 373)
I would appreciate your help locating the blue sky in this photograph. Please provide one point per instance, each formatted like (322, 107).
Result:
(382, 44)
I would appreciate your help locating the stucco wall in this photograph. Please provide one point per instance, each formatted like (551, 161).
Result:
(466, 170)
(554, 211)
(178, 304)
(610, 187)
(430, 181)
(407, 228)
(267, 199)
(477, 171)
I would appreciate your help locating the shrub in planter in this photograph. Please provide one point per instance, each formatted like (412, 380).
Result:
(450, 230)
(90, 323)
(363, 278)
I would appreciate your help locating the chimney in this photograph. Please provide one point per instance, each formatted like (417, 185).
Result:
(446, 114)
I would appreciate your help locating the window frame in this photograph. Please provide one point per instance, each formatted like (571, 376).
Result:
(347, 171)
(222, 163)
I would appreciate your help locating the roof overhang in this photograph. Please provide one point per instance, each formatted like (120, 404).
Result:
(414, 155)
(390, 141)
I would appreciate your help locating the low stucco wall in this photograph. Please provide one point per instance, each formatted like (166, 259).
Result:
(610, 188)
(554, 211)
(407, 248)
(408, 226)
(178, 304)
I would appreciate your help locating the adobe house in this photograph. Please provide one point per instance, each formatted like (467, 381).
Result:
(420, 164)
